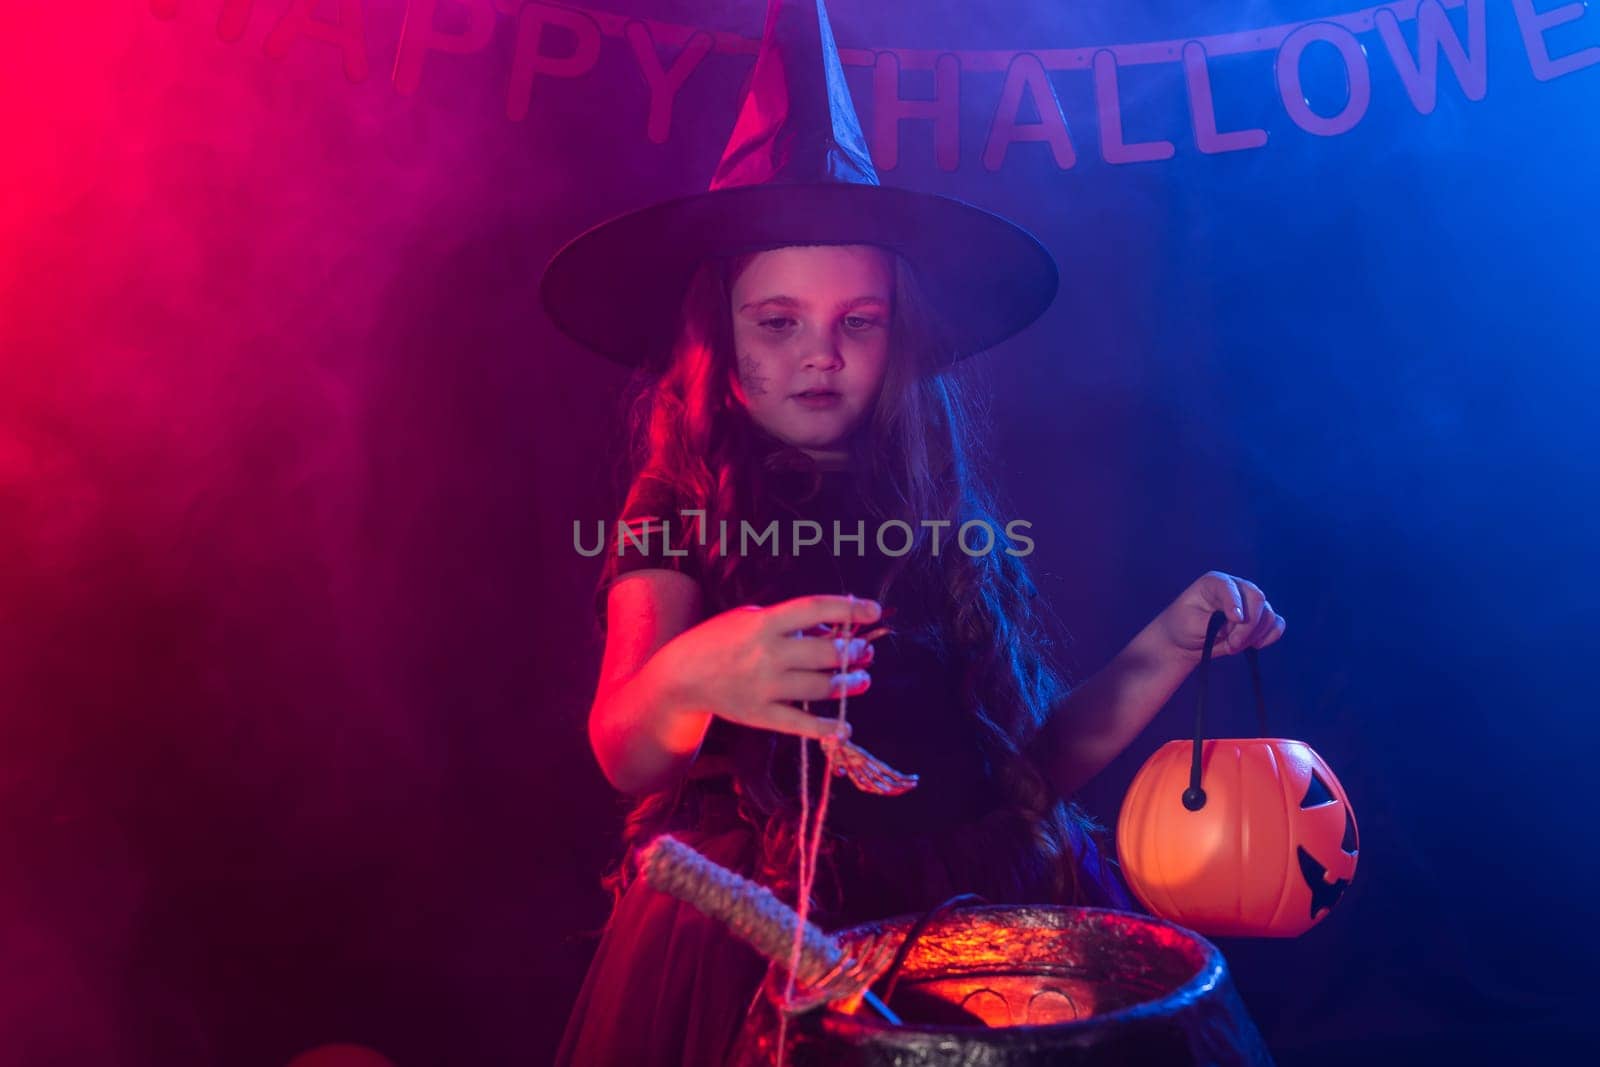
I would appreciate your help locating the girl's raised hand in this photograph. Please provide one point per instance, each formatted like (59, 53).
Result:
(1251, 622)
(745, 664)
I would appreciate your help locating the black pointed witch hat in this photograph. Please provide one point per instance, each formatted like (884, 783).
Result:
(796, 171)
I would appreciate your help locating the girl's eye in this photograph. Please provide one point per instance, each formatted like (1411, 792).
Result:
(780, 323)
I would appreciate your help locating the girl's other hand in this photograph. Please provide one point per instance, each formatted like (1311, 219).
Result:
(1251, 622)
(747, 664)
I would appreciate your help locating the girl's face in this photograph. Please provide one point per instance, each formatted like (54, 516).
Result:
(811, 333)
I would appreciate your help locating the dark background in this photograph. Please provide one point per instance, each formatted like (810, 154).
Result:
(295, 651)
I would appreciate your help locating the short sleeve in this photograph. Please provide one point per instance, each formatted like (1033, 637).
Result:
(651, 534)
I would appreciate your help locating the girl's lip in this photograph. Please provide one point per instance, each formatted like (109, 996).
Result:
(817, 400)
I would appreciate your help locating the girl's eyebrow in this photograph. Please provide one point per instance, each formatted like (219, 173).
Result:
(789, 301)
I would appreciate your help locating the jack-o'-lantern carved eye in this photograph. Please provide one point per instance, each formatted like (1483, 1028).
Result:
(1349, 844)
(1318, 794)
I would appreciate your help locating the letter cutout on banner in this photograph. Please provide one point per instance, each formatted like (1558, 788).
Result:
(1357, 77)
(1203, 108)
(349, 34)
(1435, 34)
(890, 109)
(418, 37)
(1535, 24)
(664, 83)
(1026, 74)
(528, 59)
(1113, 149)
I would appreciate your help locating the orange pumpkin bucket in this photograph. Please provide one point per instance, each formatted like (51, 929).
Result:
(1240, 837)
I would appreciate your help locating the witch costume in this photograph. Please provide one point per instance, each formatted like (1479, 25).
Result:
(668, 985)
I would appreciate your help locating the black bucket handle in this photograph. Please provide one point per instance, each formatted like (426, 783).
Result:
(1194, 798)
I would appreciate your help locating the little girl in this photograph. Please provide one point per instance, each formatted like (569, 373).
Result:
(792, 327)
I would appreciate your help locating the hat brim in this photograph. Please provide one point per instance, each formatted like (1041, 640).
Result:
(618, 287)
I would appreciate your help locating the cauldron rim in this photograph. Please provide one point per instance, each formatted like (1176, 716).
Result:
(1212, 971)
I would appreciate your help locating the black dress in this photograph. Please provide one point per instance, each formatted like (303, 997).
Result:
(668, 986)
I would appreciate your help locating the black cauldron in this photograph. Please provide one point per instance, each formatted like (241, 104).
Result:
(991, 986)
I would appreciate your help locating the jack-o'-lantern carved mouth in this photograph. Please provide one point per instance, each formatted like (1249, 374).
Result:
(1324, 894)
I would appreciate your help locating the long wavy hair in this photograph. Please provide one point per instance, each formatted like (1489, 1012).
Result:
(913, 459)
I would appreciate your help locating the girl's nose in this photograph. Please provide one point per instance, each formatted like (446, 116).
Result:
(823, 355)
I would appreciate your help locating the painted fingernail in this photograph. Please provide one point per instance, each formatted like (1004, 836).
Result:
(847, 680)
(853, 649)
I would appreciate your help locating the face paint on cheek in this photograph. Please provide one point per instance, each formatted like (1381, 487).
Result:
(750, 376)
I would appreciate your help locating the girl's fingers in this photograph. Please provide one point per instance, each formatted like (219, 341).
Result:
(817, 685)
(1245, 607)
(1223, 594)
(1268, 628)
(822, 653)
(1254, 601)
(823, 629)
(804, 612)
(1251, 633)
(1239, 600)
(788, 720)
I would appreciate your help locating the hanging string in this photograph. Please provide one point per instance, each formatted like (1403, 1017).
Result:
(809, 851)
(800, 838)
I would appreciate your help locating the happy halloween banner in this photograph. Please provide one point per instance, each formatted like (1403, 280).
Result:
(558, 42)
